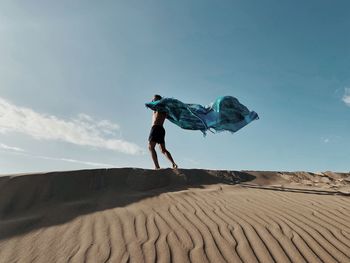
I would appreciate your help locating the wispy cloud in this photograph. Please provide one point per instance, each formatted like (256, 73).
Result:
(191, 161)
(18, 151)
(82, 130)
(346, 97)
(73, 161)
(11, 148)
(331, 139)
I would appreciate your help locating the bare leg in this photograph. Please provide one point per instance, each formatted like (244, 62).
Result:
(167, 154)
(151, 146)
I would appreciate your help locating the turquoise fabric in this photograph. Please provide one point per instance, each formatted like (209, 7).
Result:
(224, 114)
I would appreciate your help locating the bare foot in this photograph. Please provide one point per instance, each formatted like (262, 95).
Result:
(174, 166)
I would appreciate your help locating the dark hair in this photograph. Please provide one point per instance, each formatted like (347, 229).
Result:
(157, 97)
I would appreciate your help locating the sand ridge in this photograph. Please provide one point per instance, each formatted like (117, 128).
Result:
(186, 215)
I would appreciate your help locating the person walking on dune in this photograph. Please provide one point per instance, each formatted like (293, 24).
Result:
(157, 135)
(226, 113)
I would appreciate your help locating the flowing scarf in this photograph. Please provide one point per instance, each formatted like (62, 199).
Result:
(226, 113)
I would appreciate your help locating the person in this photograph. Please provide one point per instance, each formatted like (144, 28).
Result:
(157, 136)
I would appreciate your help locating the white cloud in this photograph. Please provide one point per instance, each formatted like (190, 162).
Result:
(346, 96)
(83, 130)
(11, 148)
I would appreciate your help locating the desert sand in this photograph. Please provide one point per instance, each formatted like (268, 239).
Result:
(185, 215)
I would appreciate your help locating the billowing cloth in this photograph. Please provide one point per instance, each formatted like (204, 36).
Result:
(224, 114)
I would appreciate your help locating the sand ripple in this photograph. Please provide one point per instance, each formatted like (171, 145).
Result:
(212, 222)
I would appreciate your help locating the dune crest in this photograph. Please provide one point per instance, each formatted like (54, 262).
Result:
(185, 215)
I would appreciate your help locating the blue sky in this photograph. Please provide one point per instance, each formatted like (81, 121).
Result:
(74, 77)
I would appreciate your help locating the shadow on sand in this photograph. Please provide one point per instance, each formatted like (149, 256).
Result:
(33, 201)
(295, 190)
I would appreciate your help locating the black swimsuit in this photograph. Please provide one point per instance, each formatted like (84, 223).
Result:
(157, 134)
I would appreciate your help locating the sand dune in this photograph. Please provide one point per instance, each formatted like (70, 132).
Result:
(188, 215)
